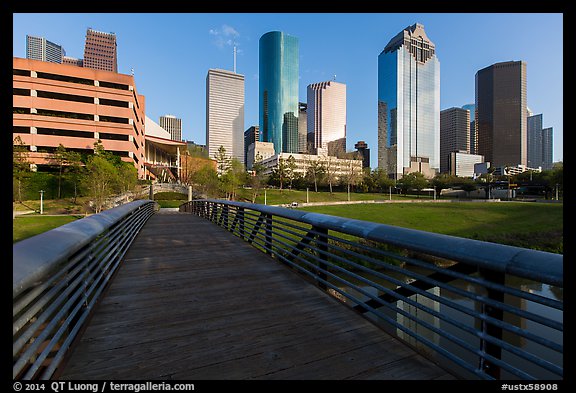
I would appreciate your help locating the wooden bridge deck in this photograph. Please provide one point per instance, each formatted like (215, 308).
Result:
(193, 302)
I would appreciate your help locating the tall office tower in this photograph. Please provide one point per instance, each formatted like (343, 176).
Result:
(251, 135)
(327, 114)
(534, 135)
(454, 134)
(362, 148)
(278, 90)
(302, 127)
(39, 48)
(100, 51)
(173, 125)
(501, 113)
(547, 147)
(472, 109)
(225, 113)
(409, 105)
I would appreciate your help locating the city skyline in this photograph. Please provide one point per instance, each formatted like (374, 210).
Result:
(328, 47)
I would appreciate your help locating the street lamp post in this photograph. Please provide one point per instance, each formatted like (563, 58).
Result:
(41, 201)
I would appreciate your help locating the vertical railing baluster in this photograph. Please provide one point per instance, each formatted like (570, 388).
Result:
(493, 350)
(322, 244)
(269, 234)
(240, 216)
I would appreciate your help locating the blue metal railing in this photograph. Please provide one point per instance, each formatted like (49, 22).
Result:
(469, 301)
(57, 279)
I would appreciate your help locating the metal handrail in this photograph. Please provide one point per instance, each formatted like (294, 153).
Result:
(394, 275)
(58, 277)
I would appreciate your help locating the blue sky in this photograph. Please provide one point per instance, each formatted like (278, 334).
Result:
(171, 55)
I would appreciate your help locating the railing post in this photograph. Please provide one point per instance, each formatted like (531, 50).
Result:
(225, 215)
(240, 215)
(268, 242)
(322, 243)
(488, 329)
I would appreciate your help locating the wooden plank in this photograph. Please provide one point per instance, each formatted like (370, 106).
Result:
(191, 301)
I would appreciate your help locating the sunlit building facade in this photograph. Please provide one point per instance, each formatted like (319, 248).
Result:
(409, 105)
(278, 90)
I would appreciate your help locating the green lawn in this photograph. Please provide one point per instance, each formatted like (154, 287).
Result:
(25, 227)
(277, 197)
(170, 203)
(529, 225)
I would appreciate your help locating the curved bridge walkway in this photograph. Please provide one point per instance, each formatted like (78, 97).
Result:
(191, 301)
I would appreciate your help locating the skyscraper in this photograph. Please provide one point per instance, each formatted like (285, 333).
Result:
(327, 113)
(501, 114)
(173, 125)
(472, 109)
(409, 105)
(39, 48)
(547, 147)
(362, 148)
(225, 113)
(534, 135)
(100, 51)
(251, 135)
(278, 90)
(454, 134)
(302, 127)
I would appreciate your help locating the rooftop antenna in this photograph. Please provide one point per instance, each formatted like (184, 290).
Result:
(132, 71)
(334, 78)
(234, 57)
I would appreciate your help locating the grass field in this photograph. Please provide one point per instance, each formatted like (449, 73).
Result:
(25, 227)
(277, 197)
(530, 225)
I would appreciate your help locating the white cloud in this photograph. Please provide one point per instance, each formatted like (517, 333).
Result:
(224, 36)
(229, 31)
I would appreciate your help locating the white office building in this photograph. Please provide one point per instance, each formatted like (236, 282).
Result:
(225, 113)
(326, 112)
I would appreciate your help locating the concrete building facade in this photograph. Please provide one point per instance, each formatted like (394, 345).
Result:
(461, 163)
(39, 48)
(251, 135)
(326, 113)
(57, 104)
(454, 134)
(100, 51)
(258, 150)
(501, 110)
(225, 113)
(338, 166)
(173, 125)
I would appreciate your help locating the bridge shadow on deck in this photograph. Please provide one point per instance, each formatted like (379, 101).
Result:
(191, 302)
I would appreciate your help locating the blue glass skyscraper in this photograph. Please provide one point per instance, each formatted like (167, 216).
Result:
(278, 91)
(409, 105)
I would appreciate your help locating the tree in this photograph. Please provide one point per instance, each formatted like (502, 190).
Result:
(257, 179)
(442, 181)
(279, 173)
(233, 178)
(467, 184)
(290, 169)
(127, 177)
(101, 177)
(20, 166)
(315, 172)
(413, 181)
(380, 180)
(74, 169)
(330, 170)
(222, 161)
(207, 177)
(59, 159)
